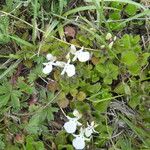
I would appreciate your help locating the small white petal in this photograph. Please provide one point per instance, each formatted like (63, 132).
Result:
(88, 132)
(110, 45)
(50, 57)
(68, 56)
(47, 69)
(78, 143)
(72, 49)
(92, 123)
(70, 126)
(70, 70)
(108, 36)
(74, 58)
(103, 46)
(45, 64)
(77, 114)
(83, 56)
(79, 124)
(63, 71)
(60, 64)
(115, 38)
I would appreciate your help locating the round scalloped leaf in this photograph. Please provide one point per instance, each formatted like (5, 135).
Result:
(129, 58)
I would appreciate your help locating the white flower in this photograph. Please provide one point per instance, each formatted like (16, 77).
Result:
(78, 143)
(108, 36)
(77, 114)
(72, 124)
(79, 140)
(48, 68)
(69, 69)
(81, 56)
(50, 57)
(72, 51)
(90, 129)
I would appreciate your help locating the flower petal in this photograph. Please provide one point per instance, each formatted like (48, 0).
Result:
(83, 56)
(70, 126)
(108, 36)
(111, 45)
(47, 69)
(68, 56)
(70, 70)
(50, 57)
(60, 64)
(72, 49)
(78, 143)
(77, 114)
(74, 58)
(88, 132)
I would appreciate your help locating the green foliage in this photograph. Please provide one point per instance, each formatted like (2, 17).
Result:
(2, 144)
(131, 10)
(112, 89)
(8, 94)
(31, 144)
(131, 55)
(42, 114)
(4, 27)
(11, 4)
(129, 58)
(108, 72)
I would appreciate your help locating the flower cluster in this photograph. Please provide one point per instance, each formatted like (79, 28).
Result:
(85, 133)
(67, 67)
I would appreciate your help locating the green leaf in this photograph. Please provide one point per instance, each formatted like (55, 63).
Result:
(32, 144)
(33, 125)
(135, 69)
(129, 58)
(108, 71)
(48, 113)
(2, 144)
(93, 88)
(59, 140)
(143, 59)
(67, 147)
(4, 99)
(4, 26)
(131, 9)
(24, 87)
(127, 89)
(102, 106)
(15, 100)
(128, 43)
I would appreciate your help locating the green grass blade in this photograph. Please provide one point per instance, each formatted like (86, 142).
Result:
(51, 28)
(35, 14)
(138, 131)
(122, 1)
(146, 12)
(84, 8)
(61, 5)
(10, 68)
(21, 41)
